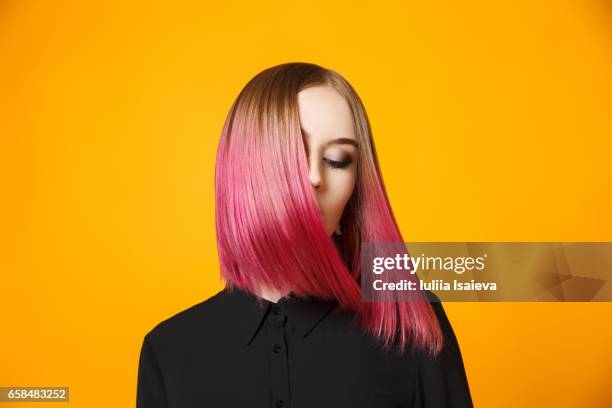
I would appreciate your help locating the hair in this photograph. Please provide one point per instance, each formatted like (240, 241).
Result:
(269, 228)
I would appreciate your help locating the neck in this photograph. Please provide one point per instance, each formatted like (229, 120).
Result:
(269, 294)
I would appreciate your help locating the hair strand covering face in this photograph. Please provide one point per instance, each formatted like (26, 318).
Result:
(269, 229)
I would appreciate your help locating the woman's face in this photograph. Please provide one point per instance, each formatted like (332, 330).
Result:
(331, 145)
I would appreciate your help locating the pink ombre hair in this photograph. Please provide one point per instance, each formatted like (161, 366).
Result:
(269, 228)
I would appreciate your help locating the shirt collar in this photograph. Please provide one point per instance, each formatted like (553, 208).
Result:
(247, 312)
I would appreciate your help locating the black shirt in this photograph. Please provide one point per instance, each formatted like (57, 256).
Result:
(233, 351)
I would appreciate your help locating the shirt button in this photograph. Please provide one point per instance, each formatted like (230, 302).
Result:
(276, 348)
(277, 310)
(280, 403)
(280, 322)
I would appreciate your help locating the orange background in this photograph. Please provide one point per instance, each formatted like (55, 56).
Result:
(492, 121)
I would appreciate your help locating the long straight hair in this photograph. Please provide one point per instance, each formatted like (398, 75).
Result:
(269, 229)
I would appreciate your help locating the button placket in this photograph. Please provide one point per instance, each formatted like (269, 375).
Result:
(279, 364)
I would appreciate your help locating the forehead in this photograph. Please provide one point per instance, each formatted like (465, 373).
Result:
(325, 114)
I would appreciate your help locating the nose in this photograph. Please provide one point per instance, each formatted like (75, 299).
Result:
(315, 177)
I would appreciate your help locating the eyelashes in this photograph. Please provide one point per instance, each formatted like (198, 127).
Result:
(335, 164)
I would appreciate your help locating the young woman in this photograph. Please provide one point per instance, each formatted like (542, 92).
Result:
(298, 192)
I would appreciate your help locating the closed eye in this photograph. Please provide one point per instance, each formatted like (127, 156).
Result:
(337, 164)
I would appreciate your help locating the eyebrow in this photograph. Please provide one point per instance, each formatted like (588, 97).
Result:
(339, 140)
(343, 140)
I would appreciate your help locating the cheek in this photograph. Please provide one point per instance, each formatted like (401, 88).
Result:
(340, 188)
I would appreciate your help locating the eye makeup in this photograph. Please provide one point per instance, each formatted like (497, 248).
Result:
(342, 163)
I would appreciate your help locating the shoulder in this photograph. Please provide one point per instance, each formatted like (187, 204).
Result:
(450, 343)
(436, 305)
(188, 340)
(431, 297)
(442, 379)
(192, 322)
